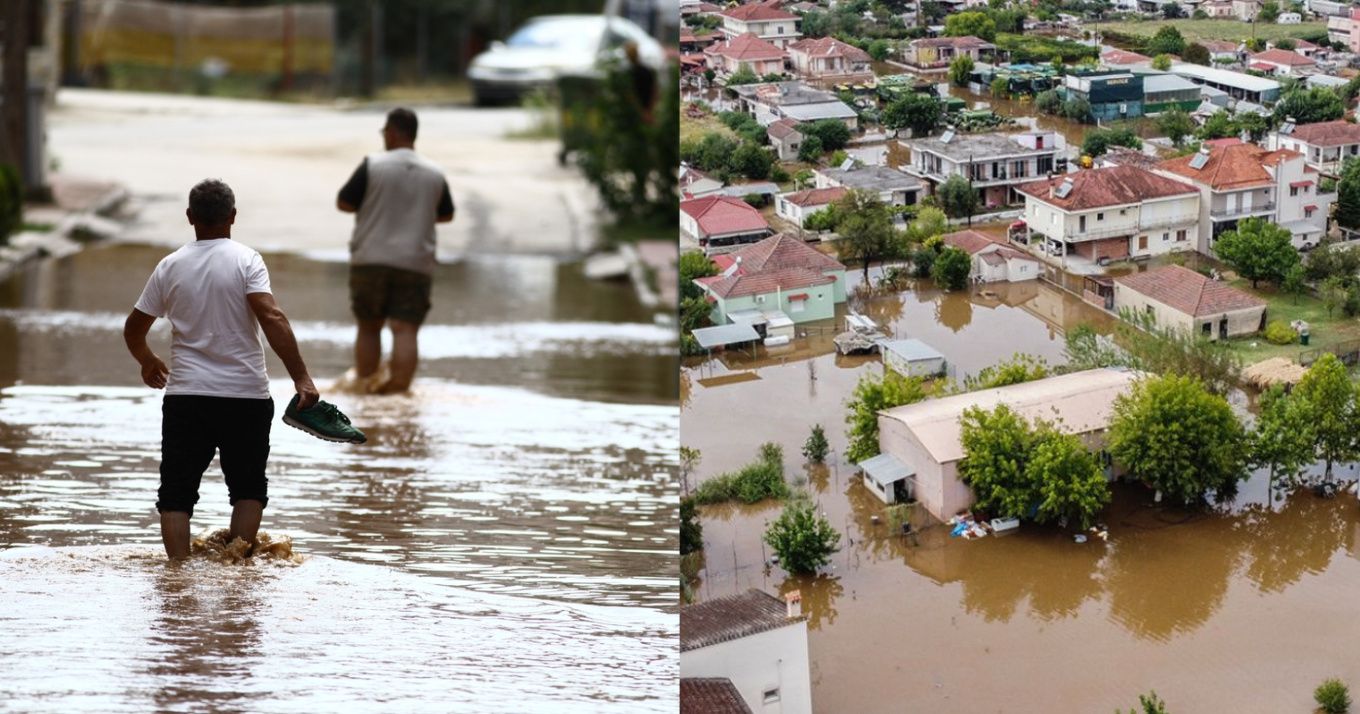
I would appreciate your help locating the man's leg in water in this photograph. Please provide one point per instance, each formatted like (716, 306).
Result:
(368, 347)
(405, 356)
(175, 534)
(245, 520)
(244, 454)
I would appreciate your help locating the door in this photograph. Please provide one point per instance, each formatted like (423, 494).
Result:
(1142, 242)
(1223, 328)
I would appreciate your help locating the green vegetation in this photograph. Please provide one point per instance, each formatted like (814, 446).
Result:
(977, 24)
(1161, 62)
(1281, 440)
(1330, 401)
(1308, 106)
(816, 446)
(756, 481)
(1037, 49)
(864, 225)
(1142, 345)
(1348, 195)
(1333, 697)
(691, 532)
(1167, 40)
(11, 202)
(960, 70)
(689, 460)
(743, 75)
(694, 310)
(1278, 332)
(1149, 703)
(1200, 30)
(957, 197)
(950, 268)
(803, 540)
(872, 395)
(1258, 250)
(1176, 124)
(1016, 370)
(1174, 435)
(919, 112)
(1098, 141)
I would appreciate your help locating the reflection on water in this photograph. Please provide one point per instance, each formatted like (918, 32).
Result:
(145, 635)
(908, 623)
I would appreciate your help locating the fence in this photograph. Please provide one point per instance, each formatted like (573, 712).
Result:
(136, 41)
(1348, 352)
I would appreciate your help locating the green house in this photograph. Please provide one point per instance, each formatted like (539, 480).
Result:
(780, 276)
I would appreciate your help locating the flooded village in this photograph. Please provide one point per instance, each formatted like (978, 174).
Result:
(1006, 332)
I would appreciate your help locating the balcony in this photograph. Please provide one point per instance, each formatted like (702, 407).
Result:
(1097, 233)
(1220, 214)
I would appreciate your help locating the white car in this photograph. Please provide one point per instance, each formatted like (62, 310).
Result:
(549, 46)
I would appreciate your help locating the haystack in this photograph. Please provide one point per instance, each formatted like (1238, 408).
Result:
(1276, 370)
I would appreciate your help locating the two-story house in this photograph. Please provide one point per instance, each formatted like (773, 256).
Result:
(1112, 94)
(829, 58)
(762, 19)
(1111, 214)
(892, 186)
(730, 55)
(995, 164)
(1325, 145)
(1241, 180)
(771, 101)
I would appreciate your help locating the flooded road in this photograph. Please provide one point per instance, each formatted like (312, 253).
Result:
(505, 539)
(1242, 609)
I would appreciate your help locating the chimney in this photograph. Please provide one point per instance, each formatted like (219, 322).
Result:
(794, 603)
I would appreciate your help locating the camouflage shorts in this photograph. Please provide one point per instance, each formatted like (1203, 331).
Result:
(379, 291)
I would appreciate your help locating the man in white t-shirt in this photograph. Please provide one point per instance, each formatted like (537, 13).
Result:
(215, 293)
(397, 197)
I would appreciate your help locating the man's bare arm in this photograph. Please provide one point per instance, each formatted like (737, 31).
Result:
(281, 339)
(154, 372)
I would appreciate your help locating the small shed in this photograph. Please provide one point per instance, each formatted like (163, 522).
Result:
(912, 358)
(725, 335)
(887, 478)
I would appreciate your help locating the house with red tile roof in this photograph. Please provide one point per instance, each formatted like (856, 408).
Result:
(933, 54)
(757, 642)
(1109, 214)
(1123, 59)
(765, 19)
(1184, 299)
(993, 261)
(1243, 180)
(829, 58)
(1325, 145)
(780, 274)
(720, 222)
(727, 56)
(797, 206)
(1281, 62)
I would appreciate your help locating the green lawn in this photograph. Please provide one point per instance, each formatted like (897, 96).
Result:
(1223, 29)
(691, 128)
(1324, 330)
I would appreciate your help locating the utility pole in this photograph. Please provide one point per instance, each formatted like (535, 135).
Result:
(14, 83)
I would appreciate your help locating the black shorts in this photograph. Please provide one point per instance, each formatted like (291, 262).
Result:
(378, 292)
(193, 428)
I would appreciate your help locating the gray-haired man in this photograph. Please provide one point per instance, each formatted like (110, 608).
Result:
(397, 197)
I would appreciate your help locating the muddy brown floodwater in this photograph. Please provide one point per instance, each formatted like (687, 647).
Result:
(1245, 607)
(505, 541)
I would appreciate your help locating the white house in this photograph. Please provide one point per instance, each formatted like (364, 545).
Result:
(785, 138)
(771, 101)
(796, 206)
(925, 437)
(758, 642)
(1281, 62)
(893, 187)
(1325, 145)
(1239, 180)
(1289, 18)
(912, 358)
(1110, 214)
(827, 58)
(993, 163)
(993, 261)
(764, 20)
(1182, 298)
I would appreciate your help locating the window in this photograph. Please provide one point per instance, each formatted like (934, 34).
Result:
(797, 305)
(1166, 236)
(1307, 213)
(1180, 236)
(1150, 313)
(1142, 242)
(1081, 223)
(771, 695)
(1100, 216)
(1293, 190)
(1207, 328)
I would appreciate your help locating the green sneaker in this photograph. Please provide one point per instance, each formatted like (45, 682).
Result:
(324, 421)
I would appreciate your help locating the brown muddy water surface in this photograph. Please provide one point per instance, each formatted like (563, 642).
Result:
(1242, 608)
(504, 541)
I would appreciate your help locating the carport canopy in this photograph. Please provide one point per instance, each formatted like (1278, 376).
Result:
(723, 335)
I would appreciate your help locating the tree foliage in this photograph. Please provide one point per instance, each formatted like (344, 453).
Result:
(1098, 141)
(1048, 101)
(751, 161)
(1195, 53)
(811, 149)
(1174, 435)
(1176, 124)
(1167, 41)
(950, 268)
(1018, 369)
(1149, 703)
(880, 49)
(1258, 250)
(1328, 400)
(756, 481)
(1348, 195)
(865, 228)
(691, 531)
(1332, 697)
(1071, 486)
(816, 446)
(873, 394)
(1281, 440)
(1161, 63)
(833, 133)
(957, 197)
(960, 70)
(996, 446)
(803, 540)
(919, 112)
(693, 265)
(976, 24)
(1309, 105)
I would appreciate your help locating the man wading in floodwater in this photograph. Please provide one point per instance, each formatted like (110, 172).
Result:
(215, 293)
(397, 197)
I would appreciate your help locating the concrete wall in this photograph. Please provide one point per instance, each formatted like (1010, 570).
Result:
(1240, 322)
(768, 660)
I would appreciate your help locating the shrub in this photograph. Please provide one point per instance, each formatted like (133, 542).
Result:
(691, 533)
(1333, 697)
(803, 539)
(816, 446)
(1278, 332)
(630, 161)
(756, 481)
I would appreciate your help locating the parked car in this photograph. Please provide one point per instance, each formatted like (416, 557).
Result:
(550, 46)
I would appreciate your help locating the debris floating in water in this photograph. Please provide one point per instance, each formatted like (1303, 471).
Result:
(216, 547)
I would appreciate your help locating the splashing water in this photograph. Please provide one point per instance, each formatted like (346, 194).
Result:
(215, 546)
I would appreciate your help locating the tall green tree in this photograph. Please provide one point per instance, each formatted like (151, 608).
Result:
(1282, 440)
(1098, 141)
(693, 265)
(1195, 53)
(1176, 124)
(751, 161)
(1258, 250)
(803, 540)
(976, 24)
(743, 75)
(833, 133)
(996, 446)
(1270, 11)
(958, 198)
(880, 49)
(950, 268)
(928, 223)
(1174, 435)
(1348, 195)
(1327, 398)
(873, 394)
(1161, 62)
(1071, 486)
(1219, 125)
(919, 112)
(865, 228)
(1309, 105)
(960, 70)
(691, 531)
(1167, 41)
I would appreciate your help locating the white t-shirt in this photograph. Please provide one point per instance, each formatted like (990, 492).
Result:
(201, 289)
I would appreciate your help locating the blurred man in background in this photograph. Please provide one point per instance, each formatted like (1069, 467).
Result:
(397, 198)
